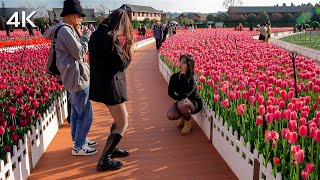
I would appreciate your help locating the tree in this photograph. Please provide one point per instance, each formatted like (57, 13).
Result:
(252, 18)
(263, 17)
(230, 3)
(41, 21)
(276, 17)
(288, 18)
(101, 9)
(284, 4)
(210, 17)
(310, 4)
(146, 21)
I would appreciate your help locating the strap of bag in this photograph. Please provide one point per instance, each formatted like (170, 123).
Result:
(53, 67)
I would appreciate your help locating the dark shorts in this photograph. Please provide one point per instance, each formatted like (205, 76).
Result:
(197, 103)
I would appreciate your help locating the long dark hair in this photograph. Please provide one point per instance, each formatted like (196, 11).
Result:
(190, 64)
(119, 24)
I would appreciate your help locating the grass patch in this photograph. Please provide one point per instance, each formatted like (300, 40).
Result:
(304, 40)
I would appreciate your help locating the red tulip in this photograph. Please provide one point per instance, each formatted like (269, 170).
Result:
(270, 109)
(282, 104)
(199, 87)
(290, 94)
(274, 135)
(293, 115)
(302, 121)
(259, 120)
(12, 111)
(277, 115)
(262, 88)
(12, 128)
(286, 114)
(261, 110)
(15, 137)
(292, 137)
(8, 148)
(276, 160)
(303, 130)
(283, 94)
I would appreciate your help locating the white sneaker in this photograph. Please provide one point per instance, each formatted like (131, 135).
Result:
(84, 151)
(89, 143)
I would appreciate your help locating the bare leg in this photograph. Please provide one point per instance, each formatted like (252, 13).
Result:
(173, 112)
(120, 116)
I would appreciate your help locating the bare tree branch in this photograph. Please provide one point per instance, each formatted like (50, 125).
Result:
(229, 3)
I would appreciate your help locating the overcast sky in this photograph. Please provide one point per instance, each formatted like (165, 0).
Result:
(204, 6)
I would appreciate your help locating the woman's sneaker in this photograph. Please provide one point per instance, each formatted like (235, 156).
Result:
(85, 150)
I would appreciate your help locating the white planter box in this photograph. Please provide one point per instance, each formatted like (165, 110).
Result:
(239, 158)
(62, 107)
(17, 166)
(27, 154)
(142, 43)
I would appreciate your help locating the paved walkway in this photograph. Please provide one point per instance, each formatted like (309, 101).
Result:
(157, 149)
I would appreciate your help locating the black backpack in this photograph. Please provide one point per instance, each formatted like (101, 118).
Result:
(53, 67)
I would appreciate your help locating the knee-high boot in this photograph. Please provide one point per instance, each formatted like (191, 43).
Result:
(118, 152)
(105, 161)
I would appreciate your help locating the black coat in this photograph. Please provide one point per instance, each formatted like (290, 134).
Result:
(181, 87)
(107, 68)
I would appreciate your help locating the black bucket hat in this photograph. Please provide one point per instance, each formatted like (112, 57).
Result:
(72, 7)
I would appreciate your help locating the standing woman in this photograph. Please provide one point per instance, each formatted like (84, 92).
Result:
(108, 61)
(183, 89)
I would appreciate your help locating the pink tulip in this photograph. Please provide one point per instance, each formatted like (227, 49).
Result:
(261, 110)
(304, 174)
(202, 79)
(282, 104)
(284, 133)
(199, 87)
(277, 115)
(15, 137)
(269, 118)
(295, 149)
(270, 109)
(286, 114)
(259, 120)
(252, 100)
(216, 98)
(240, 109)
(299, 156)
(317, 136)
(290, 94)
(292, 126)
(293, 115)
(312, 132)
(309, 168)
(225, 103)
(267, 136)
(231, 95)
(292, 137)
(260, 100)
(283, 94)
(274, 135)
(2, 130)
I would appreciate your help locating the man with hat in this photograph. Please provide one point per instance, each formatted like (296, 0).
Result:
(68, 52)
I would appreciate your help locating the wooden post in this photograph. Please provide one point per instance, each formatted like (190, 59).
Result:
(256, 169)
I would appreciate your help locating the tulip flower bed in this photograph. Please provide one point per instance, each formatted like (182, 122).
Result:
(26, 93)
(18, 34)
(22, 42)
(250, 85)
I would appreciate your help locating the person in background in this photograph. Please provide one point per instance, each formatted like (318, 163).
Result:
(183, 89)
(91, 28)
(251, 27)
(165, 30)
(139, 30)
(158, 34)
(7, 27)
(263, 32)
(108, 61)
(30, 28)
(143, 30)
(269, 31)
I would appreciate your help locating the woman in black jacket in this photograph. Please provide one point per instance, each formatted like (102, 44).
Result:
(183, 88)
(108, 61)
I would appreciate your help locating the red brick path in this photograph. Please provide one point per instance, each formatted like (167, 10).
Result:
(157, 149)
